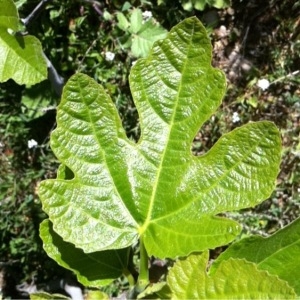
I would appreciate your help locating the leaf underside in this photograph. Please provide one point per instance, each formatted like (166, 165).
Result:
(93, 269)
(156, 189)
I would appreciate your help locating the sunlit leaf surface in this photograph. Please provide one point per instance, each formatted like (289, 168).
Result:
(232, 279)
(277, 254)
(156, 190)
(21, 57)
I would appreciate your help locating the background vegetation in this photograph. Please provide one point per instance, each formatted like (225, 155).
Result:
(252, 40)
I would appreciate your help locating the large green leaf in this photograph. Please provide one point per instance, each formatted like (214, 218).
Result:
(93, 269)
(278, 254)
(233, 279)
(156, 189)
(21, 57)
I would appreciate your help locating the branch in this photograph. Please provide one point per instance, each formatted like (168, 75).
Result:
(35, 13)
(96, 5)
(56, 80)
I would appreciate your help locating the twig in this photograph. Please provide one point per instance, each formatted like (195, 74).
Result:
(56, 80)
(86, 53)
(37, 10)
(286, 76)
(96, 5)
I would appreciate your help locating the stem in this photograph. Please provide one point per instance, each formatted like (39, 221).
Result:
(129, 277)
(56, 80)
(143, 279)
(37, 10)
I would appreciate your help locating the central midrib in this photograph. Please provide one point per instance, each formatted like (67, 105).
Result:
(143, 228)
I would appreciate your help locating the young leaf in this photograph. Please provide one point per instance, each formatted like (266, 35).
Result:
(123, 23)
(156, 190)
(21, 57)
(233, 279)
(136, 20)
(143, 40)
(93, 269)
(277, 254)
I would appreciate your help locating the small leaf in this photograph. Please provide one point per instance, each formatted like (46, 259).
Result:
(9, 17)
(93, 269)
(220, 3)
(200, 4)
(143, 40)
(122, 21)
(187, 5)
(136, 20)
(233, 279)
(277, 254)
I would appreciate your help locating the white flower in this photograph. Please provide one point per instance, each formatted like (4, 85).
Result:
(263, 84)
(109, 56)
(235, 117)
(32, 143)
(147, 15)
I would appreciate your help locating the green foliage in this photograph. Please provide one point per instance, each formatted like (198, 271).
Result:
(201, 4)
(141, 33)
(111, 193)
(276, 254)
(21, 56)
(232, 279)
(86, 267)
(75, 36)
(20, 212)
(112, 174)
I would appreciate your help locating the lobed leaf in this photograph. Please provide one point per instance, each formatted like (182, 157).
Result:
(156, 190)
(232, 279)
(277, 254)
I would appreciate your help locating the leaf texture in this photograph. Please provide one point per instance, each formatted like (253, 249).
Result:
(156, 189)
(277, 254)
(233, 279)
(21, 57)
